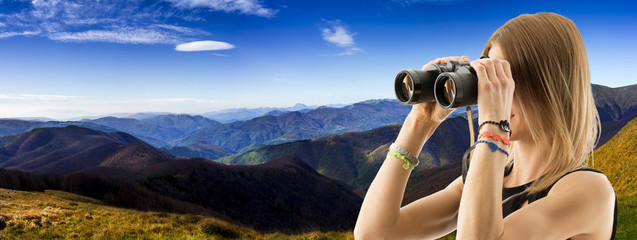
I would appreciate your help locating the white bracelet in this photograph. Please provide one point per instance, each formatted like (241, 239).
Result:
(403, 151)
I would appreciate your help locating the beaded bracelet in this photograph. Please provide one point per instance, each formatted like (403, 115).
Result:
(503, 124)
(407, 164)
(487, 134)
(403, 151)
(493, 146)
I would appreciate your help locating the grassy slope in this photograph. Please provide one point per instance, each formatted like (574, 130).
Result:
(618, 160)
(62, 215)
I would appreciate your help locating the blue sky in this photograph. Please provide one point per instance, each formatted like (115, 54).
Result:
(64, 59)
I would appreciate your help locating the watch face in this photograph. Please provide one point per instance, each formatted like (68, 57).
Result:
(505, 126)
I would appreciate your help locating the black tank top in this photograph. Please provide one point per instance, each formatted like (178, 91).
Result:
(513, 198)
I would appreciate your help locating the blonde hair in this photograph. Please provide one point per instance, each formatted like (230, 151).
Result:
(552, 85)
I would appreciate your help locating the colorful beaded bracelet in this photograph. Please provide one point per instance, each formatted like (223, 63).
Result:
(407, 164)
(497, 137)
(403, 151)
(493, 146)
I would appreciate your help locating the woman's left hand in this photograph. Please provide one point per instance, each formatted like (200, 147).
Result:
(495, 89)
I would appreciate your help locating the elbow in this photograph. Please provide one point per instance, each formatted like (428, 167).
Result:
(365, 233)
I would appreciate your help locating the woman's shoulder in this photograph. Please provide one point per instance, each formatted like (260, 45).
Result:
(584, 181)
(591, 195)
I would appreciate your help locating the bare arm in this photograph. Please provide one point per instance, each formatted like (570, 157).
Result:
(381, 216)
(581, 203)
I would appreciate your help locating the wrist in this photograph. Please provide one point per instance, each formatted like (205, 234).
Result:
(421, 119)
(502, 126)
(414, 132)
(493, 129)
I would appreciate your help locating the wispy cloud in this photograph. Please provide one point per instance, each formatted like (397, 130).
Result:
(337, 33)
(118, 21)
(250, 7)
(203, 46)
(13, 34)
(37, 97)
(124, 35)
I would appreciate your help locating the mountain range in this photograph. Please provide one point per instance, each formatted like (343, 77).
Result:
(245, 135)
(284, 194)
(302, 185)
(188, 179)
(243, 114)
(616, 107)
(355, 157)
(72, 149)
(158, 130)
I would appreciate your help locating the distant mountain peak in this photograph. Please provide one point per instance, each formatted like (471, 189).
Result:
(299, 106)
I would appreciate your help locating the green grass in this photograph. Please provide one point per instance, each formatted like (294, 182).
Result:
(62, 215)
(627, 219)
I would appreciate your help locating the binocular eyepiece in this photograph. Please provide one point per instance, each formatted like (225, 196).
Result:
(452, 85)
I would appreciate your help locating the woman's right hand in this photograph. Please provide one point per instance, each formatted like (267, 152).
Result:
(431, 111)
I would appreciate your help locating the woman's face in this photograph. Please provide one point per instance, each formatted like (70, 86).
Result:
(518, 127)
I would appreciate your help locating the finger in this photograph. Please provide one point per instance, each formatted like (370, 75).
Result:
(443, 60)
(499, 70)
(507, 69)
(490, 69)
(435, 61)
(480, 69)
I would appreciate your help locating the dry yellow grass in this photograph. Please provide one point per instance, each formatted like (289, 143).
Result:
(618, 160)
(62, 215)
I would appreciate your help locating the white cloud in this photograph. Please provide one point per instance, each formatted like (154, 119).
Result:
(203, 46)
(337, 33)
(136, 36)
(117, 21)
(186, 30)
(13, 34)
(250, 7)
(349, 51)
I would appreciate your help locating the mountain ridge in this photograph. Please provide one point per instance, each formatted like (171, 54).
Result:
(70, 149)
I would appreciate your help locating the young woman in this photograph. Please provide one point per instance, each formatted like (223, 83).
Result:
(536, 79)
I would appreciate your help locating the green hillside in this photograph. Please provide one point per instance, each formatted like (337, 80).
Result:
(618, 160)
(62, 215)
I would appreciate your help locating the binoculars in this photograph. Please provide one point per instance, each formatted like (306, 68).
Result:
(452, 85)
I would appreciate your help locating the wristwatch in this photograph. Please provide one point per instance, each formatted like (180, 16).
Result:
(503, 124)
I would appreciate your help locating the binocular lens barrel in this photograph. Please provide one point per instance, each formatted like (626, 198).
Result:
(452, 85)
(411, 86)
(445, 91)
